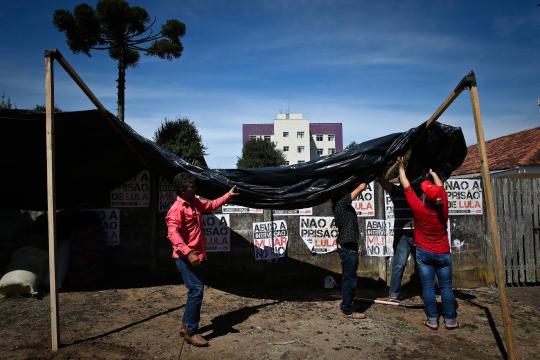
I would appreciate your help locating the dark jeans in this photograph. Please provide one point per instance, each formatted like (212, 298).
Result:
(399, 261)
(194, 281)
(430, 264)
(349, 265)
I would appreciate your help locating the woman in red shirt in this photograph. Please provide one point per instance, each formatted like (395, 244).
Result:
(432, 247)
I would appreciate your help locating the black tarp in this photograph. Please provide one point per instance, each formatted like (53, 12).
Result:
(93, 156)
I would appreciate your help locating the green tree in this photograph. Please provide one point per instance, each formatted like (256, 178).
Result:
(123, 31)
(353, 144)
(41, 108)
(260, 153)
(182, 138)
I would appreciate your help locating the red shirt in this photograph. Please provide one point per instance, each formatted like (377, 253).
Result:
(429, 225)
(185, 225)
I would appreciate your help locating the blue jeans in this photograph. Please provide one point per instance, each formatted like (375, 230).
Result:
(399, 262)
(349, 265)
(430, 264)
(194, 281)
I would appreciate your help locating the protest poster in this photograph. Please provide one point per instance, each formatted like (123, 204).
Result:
(364, 204)
(464, 196)
(133, 193)
(110, 225)
(270, 239)
(319, 233)
(236, 209)
(379, 237)
(167, 195)
(217, 233)
(305, 211)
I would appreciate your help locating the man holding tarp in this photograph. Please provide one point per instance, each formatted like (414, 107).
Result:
(185, 231)
(348, 235)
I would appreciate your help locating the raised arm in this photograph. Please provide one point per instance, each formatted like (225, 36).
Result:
(402, 176)
(358, 190)
(436, 180)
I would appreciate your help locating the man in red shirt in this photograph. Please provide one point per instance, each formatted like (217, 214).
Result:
(432, 247)
(186, 234)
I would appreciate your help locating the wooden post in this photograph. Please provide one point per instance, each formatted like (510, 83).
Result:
(51, 198)
(492, 221)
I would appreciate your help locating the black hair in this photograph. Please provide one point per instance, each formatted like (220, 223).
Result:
(181, 182)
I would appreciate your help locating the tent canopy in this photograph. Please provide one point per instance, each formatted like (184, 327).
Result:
(94, 155)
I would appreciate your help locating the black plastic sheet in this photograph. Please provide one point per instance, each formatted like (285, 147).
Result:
(94, 155)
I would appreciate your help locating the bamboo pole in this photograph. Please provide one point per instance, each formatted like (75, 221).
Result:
(492, 221)
(51, 199)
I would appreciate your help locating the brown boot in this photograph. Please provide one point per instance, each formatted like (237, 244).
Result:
(195, 339)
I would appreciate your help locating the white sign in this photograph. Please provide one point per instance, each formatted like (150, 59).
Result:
(319, 233)
(167, 195)
(133, 193)
(379, 237)
(236, 209)
(270, 239)
(217, 234)
(464, 196)
(364, 204)
(110, 225)
(305, 211)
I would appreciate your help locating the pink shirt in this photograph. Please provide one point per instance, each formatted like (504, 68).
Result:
(185, 225)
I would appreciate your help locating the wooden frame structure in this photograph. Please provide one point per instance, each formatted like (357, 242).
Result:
(468, 82)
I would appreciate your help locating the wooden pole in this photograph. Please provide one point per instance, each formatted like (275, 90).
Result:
(492, 221)
(51, 199)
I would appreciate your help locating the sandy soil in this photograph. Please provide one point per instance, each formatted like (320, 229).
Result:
(142, 323)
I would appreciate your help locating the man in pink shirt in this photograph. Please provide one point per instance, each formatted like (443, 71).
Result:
(186, 234)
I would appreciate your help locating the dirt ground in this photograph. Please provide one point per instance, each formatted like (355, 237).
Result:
(142, 323)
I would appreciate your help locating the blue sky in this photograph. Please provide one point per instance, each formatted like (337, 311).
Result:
(377, 67)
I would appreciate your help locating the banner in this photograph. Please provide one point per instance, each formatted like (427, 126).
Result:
(305, 211)
(217, 233)
(236, 209)
(133, 193)
(379, 237)
(167, 195)
(319, 233)
(270, 239)
(110, 224)
(464, 196)
(364, 204)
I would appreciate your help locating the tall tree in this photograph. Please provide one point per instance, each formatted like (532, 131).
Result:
(182, 138)
(123, 31)
(260, 153)
(5, 103)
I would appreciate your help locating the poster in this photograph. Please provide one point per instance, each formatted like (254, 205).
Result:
(133, 193)
(379, 237)
(166, 195)
(237, 209)
(464, 196)
(110, 225)
(217, 233)
(270, 239)
(319, 233)
(364, 204)
(305, 211)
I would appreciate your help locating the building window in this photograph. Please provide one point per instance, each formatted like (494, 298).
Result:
(300, 135)
(331, 151)
(301, 161)
(285, 148)
(319, 137)
(331, 137)
(319, 152)
(300, 149)
(267, 137)
(285, 134)
(252, 137)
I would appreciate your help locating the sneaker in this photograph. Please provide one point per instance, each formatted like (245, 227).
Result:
(431, 325)
(451, 324)
(355, 316)
(393, 299)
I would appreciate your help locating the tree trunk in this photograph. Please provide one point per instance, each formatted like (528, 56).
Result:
(121, 87)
